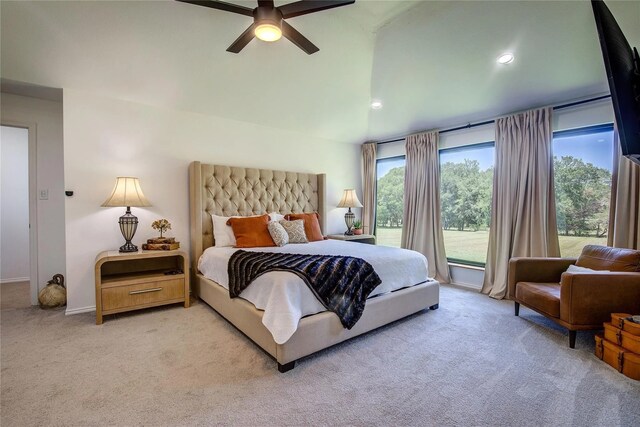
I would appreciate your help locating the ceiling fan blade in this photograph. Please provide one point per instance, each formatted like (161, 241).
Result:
(265, 3)
(220, 5)
(309, 6)
(298, 39)
(243, 40)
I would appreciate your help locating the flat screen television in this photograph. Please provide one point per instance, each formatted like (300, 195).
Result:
(623, 73)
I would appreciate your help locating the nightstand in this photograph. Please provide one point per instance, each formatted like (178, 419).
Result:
(136, 280)
(360, 238)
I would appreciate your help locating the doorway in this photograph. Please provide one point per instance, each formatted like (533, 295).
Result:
(18, 266)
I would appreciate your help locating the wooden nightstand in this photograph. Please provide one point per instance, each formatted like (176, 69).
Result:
(135, 280)
(361, 238)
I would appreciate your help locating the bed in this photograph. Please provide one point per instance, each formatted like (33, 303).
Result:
(227, 191)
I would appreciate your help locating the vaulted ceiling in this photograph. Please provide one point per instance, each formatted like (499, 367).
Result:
(431, 63)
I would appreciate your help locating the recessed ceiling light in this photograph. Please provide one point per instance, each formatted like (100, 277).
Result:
(376, 105)
(505, 58)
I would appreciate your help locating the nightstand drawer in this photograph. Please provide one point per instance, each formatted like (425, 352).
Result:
(143, 294)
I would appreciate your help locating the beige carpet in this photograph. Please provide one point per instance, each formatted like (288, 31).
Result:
(469, 363)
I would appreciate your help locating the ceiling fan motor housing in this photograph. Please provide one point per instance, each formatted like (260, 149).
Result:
(267, 15)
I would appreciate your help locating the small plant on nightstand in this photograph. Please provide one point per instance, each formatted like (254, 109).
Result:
(357, 227)
(161, 225)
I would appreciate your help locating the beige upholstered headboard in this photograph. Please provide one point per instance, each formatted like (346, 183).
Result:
(228, 190)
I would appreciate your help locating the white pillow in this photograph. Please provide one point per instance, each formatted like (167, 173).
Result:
(584, 270)
(222, 233)
(275, 216)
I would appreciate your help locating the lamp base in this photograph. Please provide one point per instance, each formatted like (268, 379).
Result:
(128, 225)
(349, 217)
(128, 247)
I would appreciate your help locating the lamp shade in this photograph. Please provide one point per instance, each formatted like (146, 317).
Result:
(349, 199)
(126, 193)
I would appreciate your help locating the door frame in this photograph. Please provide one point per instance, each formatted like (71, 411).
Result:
(33, 203)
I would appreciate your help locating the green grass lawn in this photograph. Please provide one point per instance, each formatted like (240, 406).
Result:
(472, 245)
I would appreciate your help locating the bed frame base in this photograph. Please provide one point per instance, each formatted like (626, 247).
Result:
(318, 331)
(434, 307)
(286, 367)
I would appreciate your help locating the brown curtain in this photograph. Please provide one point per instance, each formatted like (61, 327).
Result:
(523, 212)
(369, 187)
(421, 225)
(624, 214)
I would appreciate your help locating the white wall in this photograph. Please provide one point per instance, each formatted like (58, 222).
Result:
(14, 204)
(47, 117)
(589, 114)
(105, 138)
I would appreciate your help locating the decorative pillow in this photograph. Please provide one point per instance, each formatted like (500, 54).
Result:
(251, 231)
(575, 269)
(278, 233)
(222, 233)
(311, 225)
(295, 230)
(275, 216)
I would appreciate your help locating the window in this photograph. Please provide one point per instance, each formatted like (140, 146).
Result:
(389, 203)
(582, 162)
(466, 182)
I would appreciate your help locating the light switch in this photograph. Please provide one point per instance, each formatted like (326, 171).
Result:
(44, 194)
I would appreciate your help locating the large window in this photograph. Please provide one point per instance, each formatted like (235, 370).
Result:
(466, 181)
(389, 203)
(583, 160)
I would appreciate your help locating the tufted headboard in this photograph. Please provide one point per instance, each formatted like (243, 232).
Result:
(227, 191)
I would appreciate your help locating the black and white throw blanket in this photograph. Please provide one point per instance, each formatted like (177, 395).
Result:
(341, 283)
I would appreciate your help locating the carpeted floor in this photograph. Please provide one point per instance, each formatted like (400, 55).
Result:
(469, 363)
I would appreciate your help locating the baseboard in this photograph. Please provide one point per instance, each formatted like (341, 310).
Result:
(15, 279)
(468, 286)
(73, 311)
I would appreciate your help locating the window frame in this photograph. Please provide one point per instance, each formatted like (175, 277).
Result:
(585, 130)
(484, 144)
(375, 211)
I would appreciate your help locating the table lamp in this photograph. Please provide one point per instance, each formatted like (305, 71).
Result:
(349, 200)
(127, 193)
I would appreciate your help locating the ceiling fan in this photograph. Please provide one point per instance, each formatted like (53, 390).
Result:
(269, 21)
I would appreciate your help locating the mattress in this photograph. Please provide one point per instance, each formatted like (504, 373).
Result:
(285, 298)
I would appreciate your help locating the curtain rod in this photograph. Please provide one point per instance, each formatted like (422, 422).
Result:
(486, 122)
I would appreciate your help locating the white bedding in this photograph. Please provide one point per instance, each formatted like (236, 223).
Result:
(285, 298)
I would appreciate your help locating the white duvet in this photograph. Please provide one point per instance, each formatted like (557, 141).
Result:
(285, 298)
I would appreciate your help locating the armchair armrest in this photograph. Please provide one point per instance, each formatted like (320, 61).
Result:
(536, 270)
(589, 299)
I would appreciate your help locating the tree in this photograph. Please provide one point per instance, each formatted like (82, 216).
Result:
(582, 197)
(465, 195)
(390, 193)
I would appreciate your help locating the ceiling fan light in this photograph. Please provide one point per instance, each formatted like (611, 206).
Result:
(268, 32)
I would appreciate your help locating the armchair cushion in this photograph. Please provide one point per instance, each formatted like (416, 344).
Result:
(607, 258)
(544, 297)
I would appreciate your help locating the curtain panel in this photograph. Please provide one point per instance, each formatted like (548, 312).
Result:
(523, 211)
(624, 214)
(421, 225)
(369, 187)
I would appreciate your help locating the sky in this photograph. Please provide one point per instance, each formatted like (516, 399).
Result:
(595, 148)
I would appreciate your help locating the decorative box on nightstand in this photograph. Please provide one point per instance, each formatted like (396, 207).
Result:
(360, 238)
(135, 280)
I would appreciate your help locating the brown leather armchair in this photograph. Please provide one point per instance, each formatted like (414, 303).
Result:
(578, 301)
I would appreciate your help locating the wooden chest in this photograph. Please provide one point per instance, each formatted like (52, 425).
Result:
(624, 361)
(599, 346)
(621, 321)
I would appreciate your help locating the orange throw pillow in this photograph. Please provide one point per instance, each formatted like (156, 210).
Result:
(311, 225)
(251, 231)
